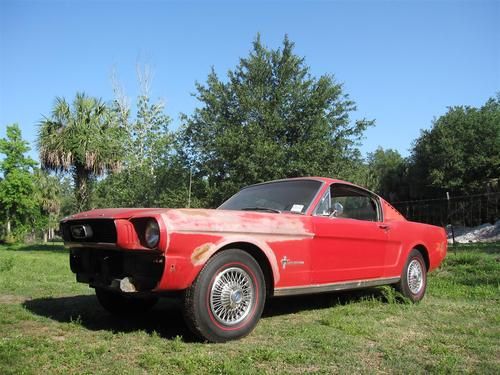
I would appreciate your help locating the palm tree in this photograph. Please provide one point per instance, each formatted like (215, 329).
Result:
(83, 139)
(49, 198)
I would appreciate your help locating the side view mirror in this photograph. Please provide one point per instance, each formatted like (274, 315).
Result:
(337, 209)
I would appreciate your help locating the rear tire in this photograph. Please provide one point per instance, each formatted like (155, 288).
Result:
(413, 282)
(124, 305)
(226, 299)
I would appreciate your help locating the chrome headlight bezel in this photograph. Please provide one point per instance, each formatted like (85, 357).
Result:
(152, 233)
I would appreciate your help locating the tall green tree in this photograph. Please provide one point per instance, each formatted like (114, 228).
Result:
(49, 195)
(84, 139)
(460, 153)
(67, 195)
(17, 200)
(387, 171)
(269, 119)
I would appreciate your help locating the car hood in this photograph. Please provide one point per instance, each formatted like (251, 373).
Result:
(209, 220)
(201, 220)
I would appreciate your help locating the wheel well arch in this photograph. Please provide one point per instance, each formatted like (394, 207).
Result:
(261, 259)
(425, 254)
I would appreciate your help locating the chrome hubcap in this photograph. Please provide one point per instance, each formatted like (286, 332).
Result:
(415, 276)
(231, 296)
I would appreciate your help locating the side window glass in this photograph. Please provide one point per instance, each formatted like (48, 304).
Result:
(356, 203)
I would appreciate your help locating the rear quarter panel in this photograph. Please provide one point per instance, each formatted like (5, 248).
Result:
(404, 236)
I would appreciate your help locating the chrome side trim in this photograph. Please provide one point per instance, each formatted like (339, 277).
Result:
(266, 235)
(323, 288)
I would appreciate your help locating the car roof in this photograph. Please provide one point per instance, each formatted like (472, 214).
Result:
(325, 180)
(310, 178)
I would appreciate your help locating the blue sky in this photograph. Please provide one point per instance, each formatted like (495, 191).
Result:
(403, 62)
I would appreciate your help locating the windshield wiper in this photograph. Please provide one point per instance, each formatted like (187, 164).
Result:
(260, 209)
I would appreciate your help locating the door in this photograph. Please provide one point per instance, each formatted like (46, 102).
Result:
(350, 238)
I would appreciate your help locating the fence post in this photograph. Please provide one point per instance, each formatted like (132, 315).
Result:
(448, 219)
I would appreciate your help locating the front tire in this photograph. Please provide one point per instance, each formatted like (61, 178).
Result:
(226, 300)
(123, 305)
(413, 282)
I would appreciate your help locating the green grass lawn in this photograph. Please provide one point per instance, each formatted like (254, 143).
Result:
(51, 324)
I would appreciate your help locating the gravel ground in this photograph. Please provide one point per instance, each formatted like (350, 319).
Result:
(482, 233)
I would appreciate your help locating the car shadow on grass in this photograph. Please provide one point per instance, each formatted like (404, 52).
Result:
(295, 304)
(165, 319)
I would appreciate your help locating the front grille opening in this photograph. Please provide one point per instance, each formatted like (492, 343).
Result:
(101, 267)
(102, 230)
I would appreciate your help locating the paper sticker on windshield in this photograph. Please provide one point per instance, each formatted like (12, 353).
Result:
(297, 208)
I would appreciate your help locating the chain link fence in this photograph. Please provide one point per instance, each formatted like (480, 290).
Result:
(466, 210)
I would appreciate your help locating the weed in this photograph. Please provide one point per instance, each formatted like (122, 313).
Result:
(392, 296)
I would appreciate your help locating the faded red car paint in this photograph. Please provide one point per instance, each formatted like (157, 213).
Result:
(297, 253)
(300, 250)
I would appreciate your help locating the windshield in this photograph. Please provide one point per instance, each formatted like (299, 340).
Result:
(293, 196)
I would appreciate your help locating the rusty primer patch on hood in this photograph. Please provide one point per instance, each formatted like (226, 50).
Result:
(194, 212)
(201, 253)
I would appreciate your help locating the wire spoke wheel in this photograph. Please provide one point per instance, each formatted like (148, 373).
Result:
(231, 296)
(415, 276)
(413, 282)
(227, 297)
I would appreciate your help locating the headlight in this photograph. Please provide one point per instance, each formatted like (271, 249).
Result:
(152, 233)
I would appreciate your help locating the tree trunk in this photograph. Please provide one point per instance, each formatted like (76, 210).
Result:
(45, 236)
(8, 227)
(82, 190)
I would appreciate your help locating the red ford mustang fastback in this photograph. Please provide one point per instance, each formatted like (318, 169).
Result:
(280, 238)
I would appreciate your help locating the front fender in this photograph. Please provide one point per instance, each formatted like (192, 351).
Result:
(182, 269)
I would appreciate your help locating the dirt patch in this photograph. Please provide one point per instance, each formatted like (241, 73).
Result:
(10, 299)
